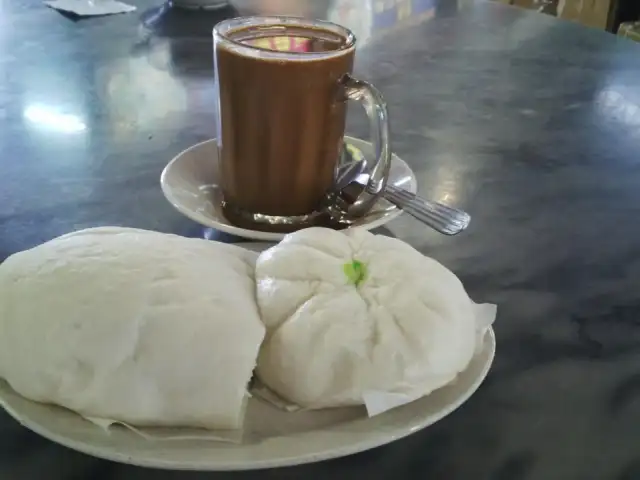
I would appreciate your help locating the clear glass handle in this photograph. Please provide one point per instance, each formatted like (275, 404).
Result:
(376, 109)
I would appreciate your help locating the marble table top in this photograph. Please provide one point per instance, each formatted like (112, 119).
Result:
(530, 123)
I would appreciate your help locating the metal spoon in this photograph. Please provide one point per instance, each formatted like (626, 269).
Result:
(351, 186)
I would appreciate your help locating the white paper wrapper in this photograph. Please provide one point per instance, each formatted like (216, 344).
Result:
(377, 402)
(173, 434)
(485, 316)
(87, 8)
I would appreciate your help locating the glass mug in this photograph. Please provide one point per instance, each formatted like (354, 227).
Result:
(282, 85)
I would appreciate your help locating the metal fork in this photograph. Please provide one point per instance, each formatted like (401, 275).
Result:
(440, 217)
(352, 183)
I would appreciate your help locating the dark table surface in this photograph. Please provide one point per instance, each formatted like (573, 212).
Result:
(530, 123)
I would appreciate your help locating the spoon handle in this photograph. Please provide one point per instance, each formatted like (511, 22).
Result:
(440, 217)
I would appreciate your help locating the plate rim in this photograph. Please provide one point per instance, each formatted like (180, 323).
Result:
(368, 440)
(268, 236)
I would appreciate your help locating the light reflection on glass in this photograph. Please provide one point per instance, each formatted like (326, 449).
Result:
(49, 118)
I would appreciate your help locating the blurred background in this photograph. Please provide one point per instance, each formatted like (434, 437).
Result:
(611, 15)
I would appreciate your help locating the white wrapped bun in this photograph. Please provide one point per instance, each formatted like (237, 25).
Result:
(140, 327)
(408, 328)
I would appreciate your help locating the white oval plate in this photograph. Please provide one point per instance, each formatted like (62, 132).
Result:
(272, 438)
(190, 183)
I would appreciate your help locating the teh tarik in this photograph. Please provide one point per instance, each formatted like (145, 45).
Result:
(281, 119)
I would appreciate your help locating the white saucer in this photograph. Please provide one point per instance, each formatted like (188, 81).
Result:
(190, 183)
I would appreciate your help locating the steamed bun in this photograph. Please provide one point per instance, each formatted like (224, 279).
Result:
(351, 313)
(140, 327)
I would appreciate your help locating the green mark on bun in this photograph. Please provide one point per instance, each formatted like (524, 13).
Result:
(356, 272)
